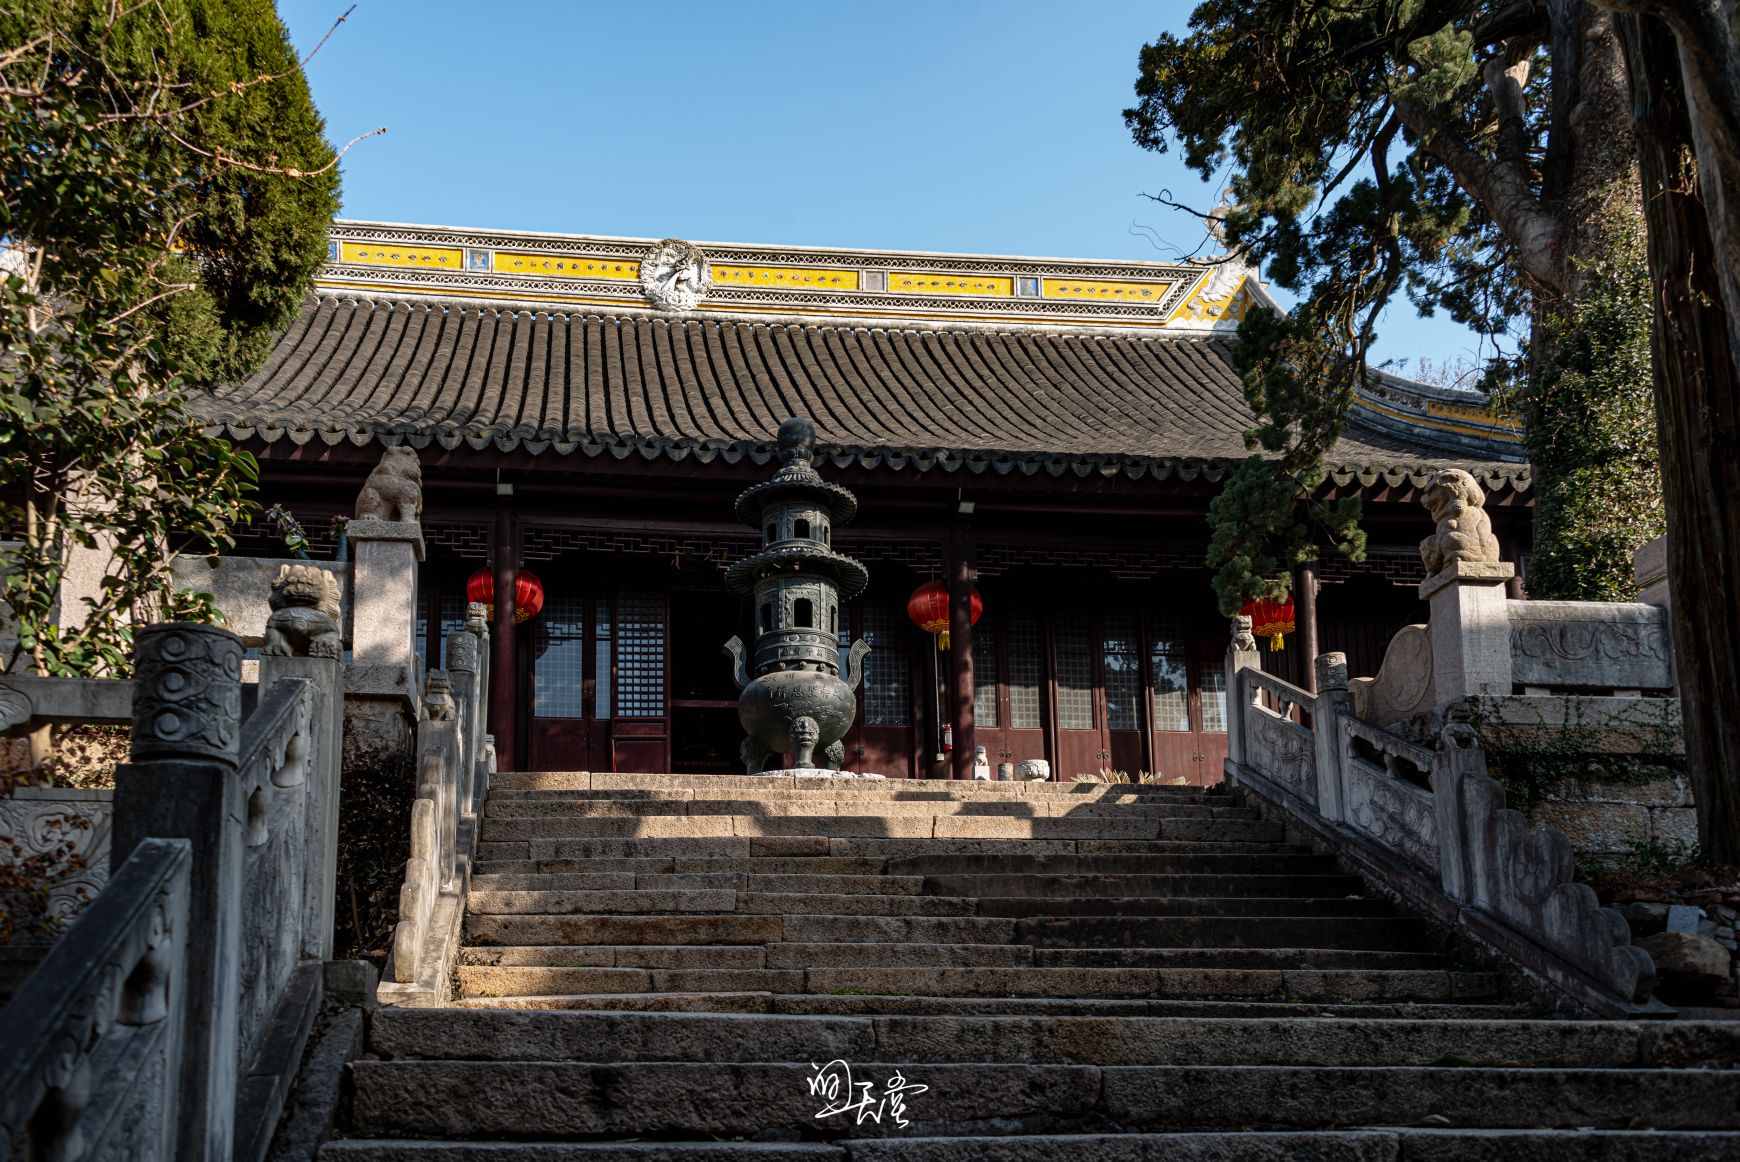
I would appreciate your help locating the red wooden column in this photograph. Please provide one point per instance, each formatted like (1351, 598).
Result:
(961, 578)
(504, 694)
(1305, 611)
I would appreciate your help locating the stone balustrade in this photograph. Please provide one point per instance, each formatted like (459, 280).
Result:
(175, 1008)
(1431, 824)
(454, 762)
(1392, 770)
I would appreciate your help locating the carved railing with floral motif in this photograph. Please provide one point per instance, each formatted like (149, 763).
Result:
(169, 1020)
(1431, 824)
(89, 1047)
(70, 821)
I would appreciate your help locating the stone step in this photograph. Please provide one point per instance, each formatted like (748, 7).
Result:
(976, 886)
(1402, 1145)
(1276, 861)
(743, 847)
(436, 1034)
(865, 1004)
(1378, 933)
(490, 1099)
(1139, 884)
(1055, 808)
(1314, 985)
(863, 826)
(934, 956)
(727, 786)
(1169, 858)
(725, 900)
(875, 884)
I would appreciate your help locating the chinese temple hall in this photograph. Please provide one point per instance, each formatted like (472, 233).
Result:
(587, 410)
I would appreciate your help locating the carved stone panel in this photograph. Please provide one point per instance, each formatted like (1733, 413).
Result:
(1403, 686)
(1400, 817)
(40, 819)
(1590, 645)
(1283, 752)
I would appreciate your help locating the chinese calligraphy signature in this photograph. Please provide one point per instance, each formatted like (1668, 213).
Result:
(841, 1095)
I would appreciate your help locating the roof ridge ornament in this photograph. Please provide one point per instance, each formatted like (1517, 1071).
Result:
(676, 275)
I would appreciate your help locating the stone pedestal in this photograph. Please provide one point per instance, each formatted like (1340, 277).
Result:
(382, 685)
(1650, 567)
(1470, 624)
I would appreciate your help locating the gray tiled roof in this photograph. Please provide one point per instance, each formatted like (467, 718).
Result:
(978, 400)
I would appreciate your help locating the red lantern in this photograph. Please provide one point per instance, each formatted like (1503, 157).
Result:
(1270, 619)
(528, 593)
(928, 607)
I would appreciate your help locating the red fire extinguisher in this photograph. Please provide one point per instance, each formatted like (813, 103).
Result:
(948, 737)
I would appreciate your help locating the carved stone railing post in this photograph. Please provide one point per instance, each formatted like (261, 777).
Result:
(182, 783)
(383, 684)
(462, 652)
(1241, 654)
(327, 726)
(1333, 700)
(1459, 760)
(477, 625)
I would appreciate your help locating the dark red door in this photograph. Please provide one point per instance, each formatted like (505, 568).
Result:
(1186, 700)
(599, 684)
(1121, 691)
(640, 722)
(1009, 688)
(1081, 743)
(880, 741)
(563, 732)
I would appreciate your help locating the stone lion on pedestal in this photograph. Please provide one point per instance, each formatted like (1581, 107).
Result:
(1464, 530)
(304, 621)
(394, 490)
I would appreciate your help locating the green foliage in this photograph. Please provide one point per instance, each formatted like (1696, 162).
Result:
(171, 211)
(1369, 149)
(1590, 417)
(1639, 744)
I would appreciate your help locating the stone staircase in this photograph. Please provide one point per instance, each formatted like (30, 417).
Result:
(665, 966)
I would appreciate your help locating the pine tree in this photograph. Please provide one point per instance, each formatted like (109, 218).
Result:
(164, 205)
(1475, 156)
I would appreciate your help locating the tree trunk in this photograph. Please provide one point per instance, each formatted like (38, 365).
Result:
(1697, 390)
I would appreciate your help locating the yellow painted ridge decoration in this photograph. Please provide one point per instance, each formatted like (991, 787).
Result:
(912, 282)
(565, 265)
(785, 277)
(1205, 309)
(1475, 413)
(738, 308)
(1104, 290)
(387, 254)
(1511, 436)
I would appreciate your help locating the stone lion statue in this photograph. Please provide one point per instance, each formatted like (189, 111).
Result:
(394, 490)
(1464, 530)
(304, 620)
(438, 696)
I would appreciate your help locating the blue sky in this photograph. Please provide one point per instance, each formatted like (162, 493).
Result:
(986, 126)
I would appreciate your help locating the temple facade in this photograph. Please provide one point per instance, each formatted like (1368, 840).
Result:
(587, 409)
